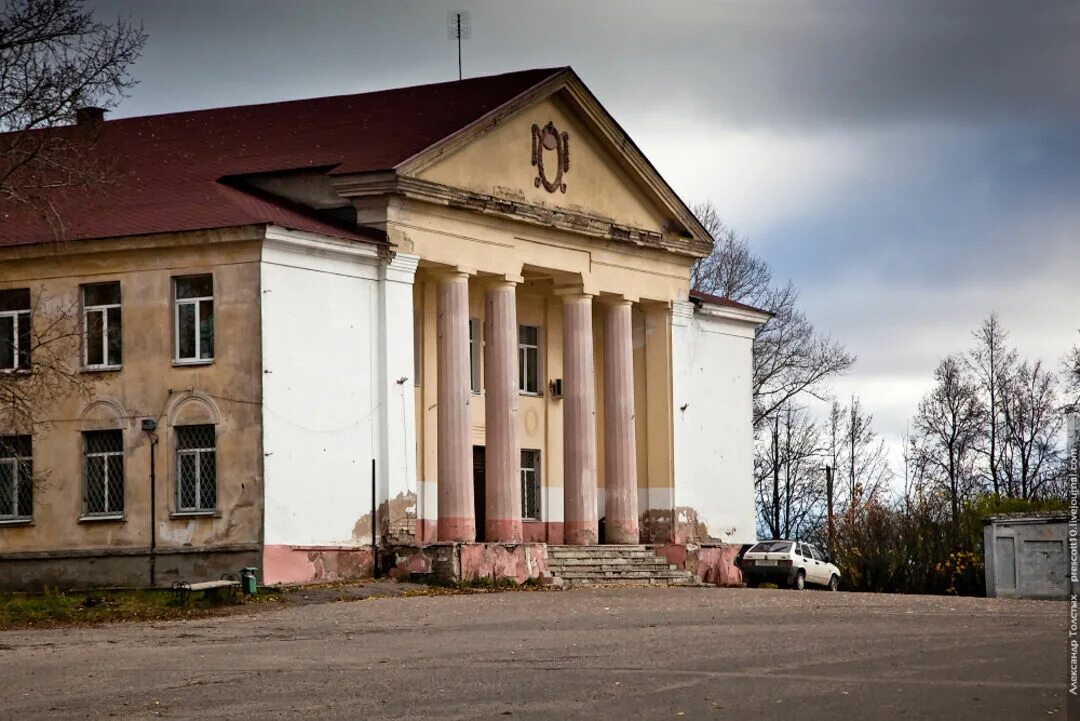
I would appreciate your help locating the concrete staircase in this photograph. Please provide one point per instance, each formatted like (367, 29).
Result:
(614, 565)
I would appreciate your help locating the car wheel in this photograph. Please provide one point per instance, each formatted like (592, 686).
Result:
(834, 583)
(799, 583)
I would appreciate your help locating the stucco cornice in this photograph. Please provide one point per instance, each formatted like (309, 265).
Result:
(754, 318)
(375, 184)
(319, 245)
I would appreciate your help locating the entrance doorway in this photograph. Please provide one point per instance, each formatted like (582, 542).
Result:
(479, 497)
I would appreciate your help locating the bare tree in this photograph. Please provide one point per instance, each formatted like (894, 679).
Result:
(992, 361)
(858, 455)
(950, 418)
(1072, 374)
(47, 364)
(1031, 422)
(790, 355)
(54, 59)
(789, 476)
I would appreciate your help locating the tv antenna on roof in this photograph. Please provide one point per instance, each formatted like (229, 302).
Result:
(458, 26)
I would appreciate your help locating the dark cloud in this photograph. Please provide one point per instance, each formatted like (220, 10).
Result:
(912, 165)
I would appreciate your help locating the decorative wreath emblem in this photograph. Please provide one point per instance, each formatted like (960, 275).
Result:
(548, 138)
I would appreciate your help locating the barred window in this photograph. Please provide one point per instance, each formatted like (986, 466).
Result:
(16, 478)
(102, 347)
(530, 485)
(529, 359)
(194, 318)
(196, 468)
(104, 452)
(15, 338)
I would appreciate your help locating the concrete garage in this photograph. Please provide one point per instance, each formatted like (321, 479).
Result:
(632, 653)
(1027, 555)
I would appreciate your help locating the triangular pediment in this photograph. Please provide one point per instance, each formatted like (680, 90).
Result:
(557, 149)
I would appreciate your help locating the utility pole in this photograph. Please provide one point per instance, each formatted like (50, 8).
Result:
(459, 26)
(776, 474)
(829, 537)
(787, 475)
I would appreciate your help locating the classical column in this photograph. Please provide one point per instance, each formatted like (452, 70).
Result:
(457, 517)
(502, 520)
(620, 438)
(579, 422)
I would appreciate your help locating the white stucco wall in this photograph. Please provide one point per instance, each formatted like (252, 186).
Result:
(713, 434)
(331, 402)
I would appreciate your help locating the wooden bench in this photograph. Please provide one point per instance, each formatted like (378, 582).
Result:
(226, 586)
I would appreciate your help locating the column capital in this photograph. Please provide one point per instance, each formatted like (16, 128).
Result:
(454, 272)
(615, 299)
(573, 293)
(500, 280)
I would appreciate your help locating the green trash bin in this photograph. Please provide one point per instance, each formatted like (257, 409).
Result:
(247, 580)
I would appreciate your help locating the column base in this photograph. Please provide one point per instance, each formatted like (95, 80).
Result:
(462, 530)
(621, 532)
(506, 531)
(581, 533)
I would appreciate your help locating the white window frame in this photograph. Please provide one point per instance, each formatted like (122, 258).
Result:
(197, 302)
(531, 474)
(16, 463)
(18, 317)
(108, 512)
(104, 310)
(198, 508)
(476, 355)
(523, 349)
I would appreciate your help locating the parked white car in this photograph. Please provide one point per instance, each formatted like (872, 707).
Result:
(788, 563)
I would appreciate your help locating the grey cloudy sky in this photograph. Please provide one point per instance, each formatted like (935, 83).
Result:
(910, 165)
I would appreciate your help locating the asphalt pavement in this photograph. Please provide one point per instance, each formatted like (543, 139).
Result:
(629, 653)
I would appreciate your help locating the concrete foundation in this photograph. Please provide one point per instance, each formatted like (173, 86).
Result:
(713, 564)
(120, 569)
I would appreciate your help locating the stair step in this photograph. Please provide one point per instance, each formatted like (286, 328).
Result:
(586, 582)
(609, 566)
(624, 574)
(601, 554)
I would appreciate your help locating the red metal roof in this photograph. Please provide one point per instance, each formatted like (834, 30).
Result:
(167, 167)
(720, 300)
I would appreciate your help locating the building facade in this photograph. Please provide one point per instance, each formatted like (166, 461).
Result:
(456, 313)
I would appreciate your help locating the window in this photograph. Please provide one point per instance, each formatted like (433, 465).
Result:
(16, 478)
(529, 359)
(196, 469)
(816, 553)
(771, 547)
(195, 319)
(104, 451)
(476, 351)
(15, 330)
(530, 485)
(102, 346)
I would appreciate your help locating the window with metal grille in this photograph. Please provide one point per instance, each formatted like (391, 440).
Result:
(102, 346)
(476, 351)
(530, 485)
(16, 478)
(529, 359)
(104, 454)
(15, 329)
(194, 319)
(196, 468)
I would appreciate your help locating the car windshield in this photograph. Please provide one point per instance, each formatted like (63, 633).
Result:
(771, 547)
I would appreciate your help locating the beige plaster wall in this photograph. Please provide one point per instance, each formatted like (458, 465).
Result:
(226, 392)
